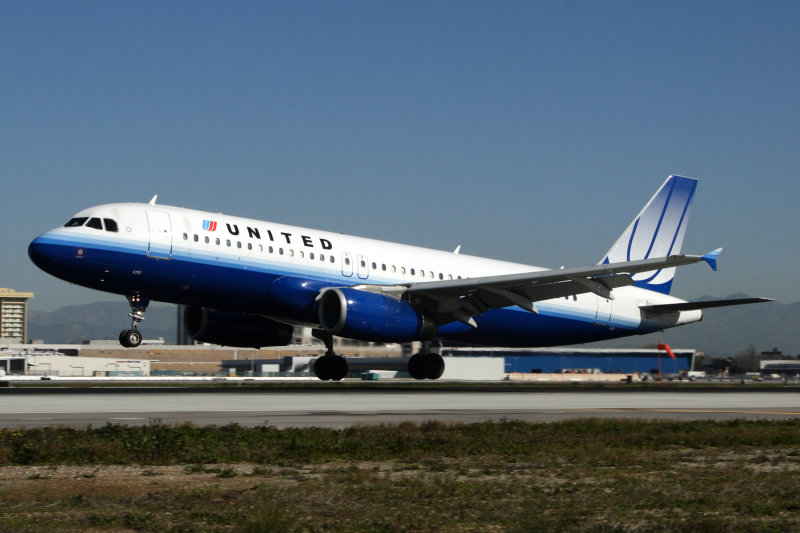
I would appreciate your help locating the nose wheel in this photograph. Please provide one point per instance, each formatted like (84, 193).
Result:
(131, 338)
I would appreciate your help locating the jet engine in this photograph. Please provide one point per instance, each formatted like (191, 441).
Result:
(235, 329)
(370, 316)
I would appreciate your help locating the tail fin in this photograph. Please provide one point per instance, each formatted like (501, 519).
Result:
(657, 231)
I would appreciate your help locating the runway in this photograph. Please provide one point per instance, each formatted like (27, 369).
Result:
(339, 407)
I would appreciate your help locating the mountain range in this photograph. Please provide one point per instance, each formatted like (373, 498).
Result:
(723, 331)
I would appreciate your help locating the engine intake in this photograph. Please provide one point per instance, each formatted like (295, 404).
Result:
(235, 329)
(370, 316)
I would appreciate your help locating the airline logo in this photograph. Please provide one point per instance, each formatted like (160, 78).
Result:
(210, 225)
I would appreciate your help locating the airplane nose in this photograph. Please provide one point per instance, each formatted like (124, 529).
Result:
(41, 253)
(36, 251)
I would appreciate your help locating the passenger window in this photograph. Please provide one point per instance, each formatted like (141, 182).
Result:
(311, 255)
(75, 222)
(291, 253)
(218, 241)
(402, 270)
(207, 239)
(238, 244)
(95, 223)
(280, 251)
(394, 269)
(228, 243)
(111, 225)
(249, 246)
(383, 267)
(332, 259)
(185, 236)
(441, 276)
(374, 266)
(301, 254)
(413, 271)
(346, 260)
(196, 238)
(271, 249)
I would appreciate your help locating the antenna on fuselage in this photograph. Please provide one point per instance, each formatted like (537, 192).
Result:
(153, 200)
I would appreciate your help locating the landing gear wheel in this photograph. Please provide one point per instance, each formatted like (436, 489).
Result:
(339, 367)
(434, 366)
(416, 367)
(130, 338)
(426, 366)
(330, 367)
(321, 369)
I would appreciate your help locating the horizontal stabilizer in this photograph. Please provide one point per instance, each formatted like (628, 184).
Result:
(691, 306)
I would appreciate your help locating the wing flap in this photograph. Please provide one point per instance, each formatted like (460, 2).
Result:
(691, 306)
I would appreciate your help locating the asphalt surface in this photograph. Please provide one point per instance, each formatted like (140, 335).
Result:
(340, 406)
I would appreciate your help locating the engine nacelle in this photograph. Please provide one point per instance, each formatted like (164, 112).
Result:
(235, 329)
(370, 316)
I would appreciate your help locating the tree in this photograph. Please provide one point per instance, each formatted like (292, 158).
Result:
(746, 361)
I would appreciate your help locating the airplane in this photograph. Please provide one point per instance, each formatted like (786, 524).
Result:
(248, 282)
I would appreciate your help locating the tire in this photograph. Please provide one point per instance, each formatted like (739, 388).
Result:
(339, 368)
(416, 366)
(322, 369)
(434, 366)
(132, 338)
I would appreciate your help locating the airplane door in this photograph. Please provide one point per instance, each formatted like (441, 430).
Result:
(603, 316)
(363, 267)
(160, 246)
(347, 264)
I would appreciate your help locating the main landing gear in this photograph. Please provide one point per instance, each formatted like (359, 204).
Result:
(330, 366)
(426, 364)
(131, 338)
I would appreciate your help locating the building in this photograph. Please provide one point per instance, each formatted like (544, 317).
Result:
(585, 360)
(14, 315)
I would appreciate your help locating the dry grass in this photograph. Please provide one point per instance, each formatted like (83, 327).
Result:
(585, 475)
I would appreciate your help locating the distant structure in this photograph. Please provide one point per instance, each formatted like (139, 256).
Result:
(14, 315)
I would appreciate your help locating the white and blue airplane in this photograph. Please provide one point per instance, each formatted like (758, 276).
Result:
(248, 282)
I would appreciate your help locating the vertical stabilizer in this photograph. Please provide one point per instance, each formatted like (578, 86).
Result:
(657, 231)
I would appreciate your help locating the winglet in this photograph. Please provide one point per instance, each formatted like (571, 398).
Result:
(153, 200)
(711, 258)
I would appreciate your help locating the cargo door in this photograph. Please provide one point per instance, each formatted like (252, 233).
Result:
(160, 245)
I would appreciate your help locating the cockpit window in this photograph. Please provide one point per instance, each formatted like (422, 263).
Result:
(111, 224)
(75, 222)
(95, 223)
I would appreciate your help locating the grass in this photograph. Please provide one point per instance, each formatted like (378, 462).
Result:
(583, 475)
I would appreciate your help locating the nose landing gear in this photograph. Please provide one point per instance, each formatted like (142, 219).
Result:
(131, 338)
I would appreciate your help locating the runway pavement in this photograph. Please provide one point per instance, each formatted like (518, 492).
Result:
(339, 406)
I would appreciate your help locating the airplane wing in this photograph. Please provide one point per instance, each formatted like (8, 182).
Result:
(465, 298)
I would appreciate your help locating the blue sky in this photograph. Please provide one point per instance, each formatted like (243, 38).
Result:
(526, 131)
